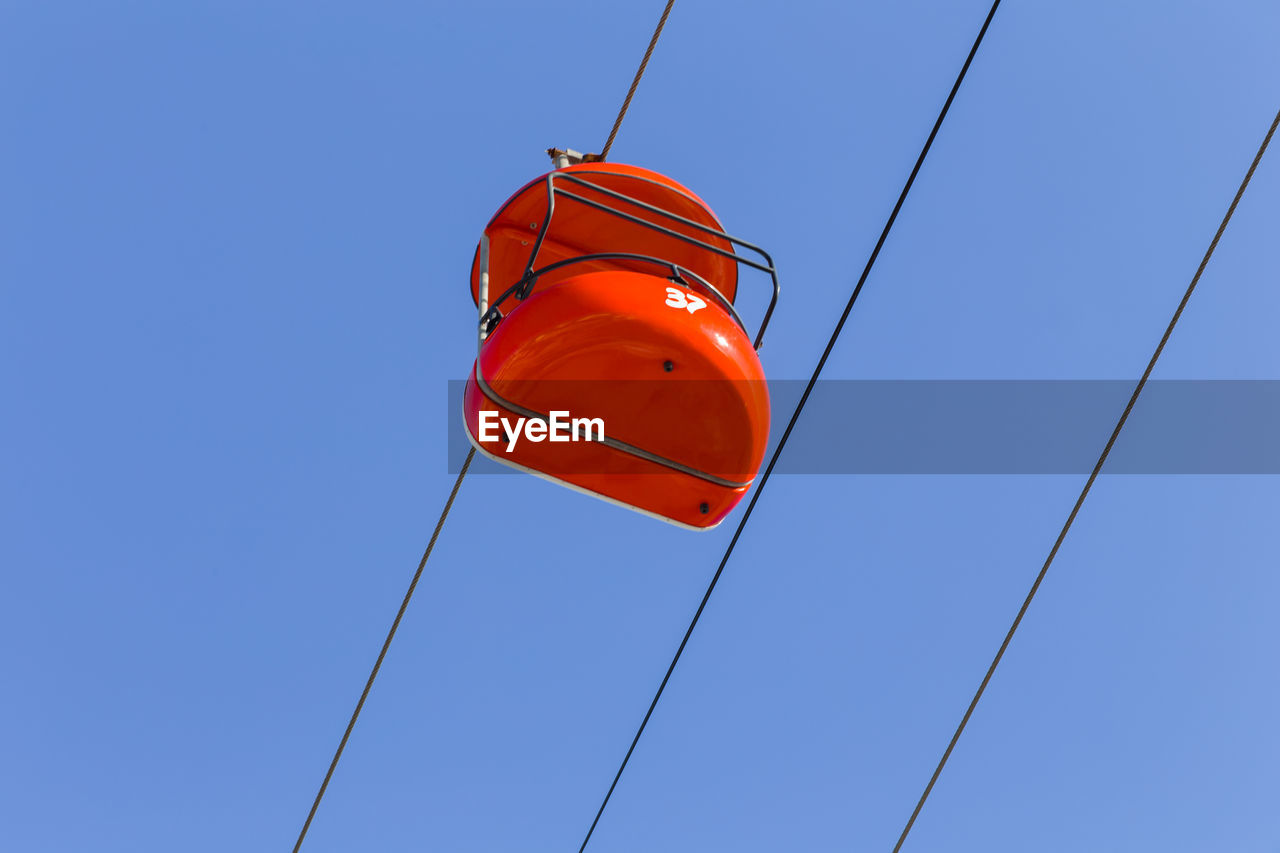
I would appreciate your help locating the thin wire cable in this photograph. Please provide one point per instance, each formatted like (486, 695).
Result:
(795, 416)
(1106, 451)
(662, 22)
(404, 605)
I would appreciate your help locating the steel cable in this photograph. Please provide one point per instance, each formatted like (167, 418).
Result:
(404, 605)
(626, 103)
(1106, 451)
(795, 416)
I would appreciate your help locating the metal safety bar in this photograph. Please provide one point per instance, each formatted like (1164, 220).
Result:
(522, 288)
(489, 315)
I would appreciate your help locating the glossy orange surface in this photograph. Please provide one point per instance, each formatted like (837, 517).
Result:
(577, 229)
(626, 347)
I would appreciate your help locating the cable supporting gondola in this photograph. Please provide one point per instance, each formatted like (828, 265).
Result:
(1084, 492)
(373, 674)
(795, 416)
(635, 82)
(462, 473)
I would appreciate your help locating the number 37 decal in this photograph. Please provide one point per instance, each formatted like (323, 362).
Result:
(677, 298)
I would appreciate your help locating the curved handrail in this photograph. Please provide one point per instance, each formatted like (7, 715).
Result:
(522, 288)
(489, 317)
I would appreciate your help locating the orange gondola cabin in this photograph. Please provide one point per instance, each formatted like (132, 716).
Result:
(611, 357)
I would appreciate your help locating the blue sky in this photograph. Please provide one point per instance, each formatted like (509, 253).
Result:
(234, 241)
